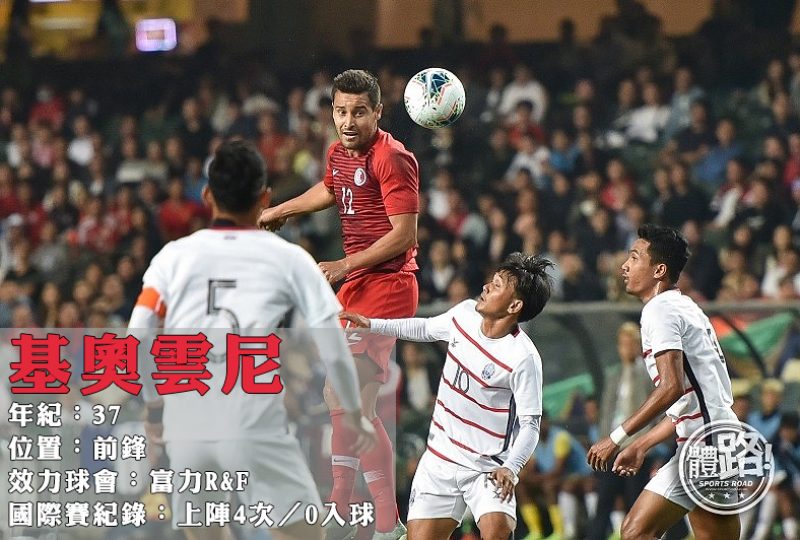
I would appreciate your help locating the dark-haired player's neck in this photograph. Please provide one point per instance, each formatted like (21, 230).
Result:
(496, 328)
(660, 286)
(223, 219)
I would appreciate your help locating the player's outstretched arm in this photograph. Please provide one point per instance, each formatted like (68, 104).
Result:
(316, 198)
(413, 329)
(670, 369)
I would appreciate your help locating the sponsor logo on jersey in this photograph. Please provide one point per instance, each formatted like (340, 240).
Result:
(360, 177)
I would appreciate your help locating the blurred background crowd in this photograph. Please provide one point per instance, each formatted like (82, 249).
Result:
(564, 149)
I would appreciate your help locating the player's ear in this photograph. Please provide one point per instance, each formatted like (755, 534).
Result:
(515, 306)
(660, 271)
(265, 198)
(208, 197)
(379, 110)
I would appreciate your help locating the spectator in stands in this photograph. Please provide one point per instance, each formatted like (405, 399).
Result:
(524, 87)
(695, 141)
(580, 284)
(703, 264)
(761, 212)
(177, 214)
(773, 83)
(522, 121)
(737, 283)
(563, 153)
(729, 196)
(767, 419)
(627, 103)
(784, 122)
(782, 261)
(787, 485)
(648, 121)
(558, 472)
(686, 201)
(436, 275)
(620, 188)
(710, 169)
(684, 95)
(531, 156)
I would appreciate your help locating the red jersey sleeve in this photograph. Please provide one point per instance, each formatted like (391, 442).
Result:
(398, 174)
(328, 178)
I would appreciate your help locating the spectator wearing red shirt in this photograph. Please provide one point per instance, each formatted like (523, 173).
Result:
(792, 169)
(32, 212)
(97, 229)
(9, 204)
(177, 213)
(620, 188)
(49, 108)
(523, 122)
(270, 139)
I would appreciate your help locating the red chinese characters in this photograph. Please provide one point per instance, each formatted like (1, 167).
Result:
(40, 368)
(180, 364)
(246, 357)
(111, 360)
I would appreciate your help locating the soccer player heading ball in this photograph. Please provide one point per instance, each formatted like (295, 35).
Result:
(374, 182)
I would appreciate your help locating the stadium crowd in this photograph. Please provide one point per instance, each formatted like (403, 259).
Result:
(564, 154)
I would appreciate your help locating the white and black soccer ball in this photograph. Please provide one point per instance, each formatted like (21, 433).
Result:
(434, 98)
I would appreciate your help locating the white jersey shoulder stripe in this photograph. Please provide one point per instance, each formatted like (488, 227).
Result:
(477, 345)
(470, 373)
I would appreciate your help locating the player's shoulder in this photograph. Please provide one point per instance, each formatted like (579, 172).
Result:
(386, 147)
(660, 303)
(525, 351)
(464, 310)
(333, 148)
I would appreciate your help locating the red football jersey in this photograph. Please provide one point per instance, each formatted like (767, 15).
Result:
(369, 188)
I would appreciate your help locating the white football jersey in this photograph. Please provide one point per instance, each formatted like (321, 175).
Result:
(242, 281)
(486, 385)
(672, 321)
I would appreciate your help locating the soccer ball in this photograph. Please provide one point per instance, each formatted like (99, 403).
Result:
(434, 98)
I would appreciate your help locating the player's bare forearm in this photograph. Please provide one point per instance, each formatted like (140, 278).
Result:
(400, 239)
(664, 430)
(670, 389)
(316, 198)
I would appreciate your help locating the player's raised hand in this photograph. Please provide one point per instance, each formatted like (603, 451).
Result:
(504, 481)
(364, 430)
(334, 271)
(271, 219)
(629, 461)
(357, 320)
(600, 453)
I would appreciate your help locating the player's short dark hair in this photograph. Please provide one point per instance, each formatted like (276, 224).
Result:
(532, 284)
(358, 81)
(667, 246)
(237, 176)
